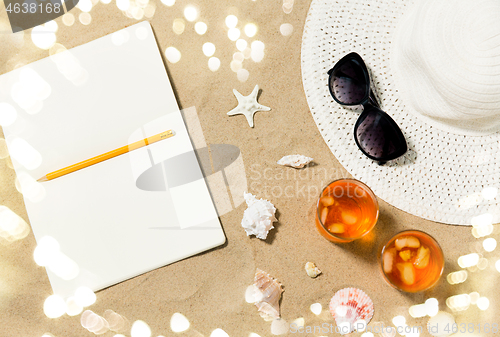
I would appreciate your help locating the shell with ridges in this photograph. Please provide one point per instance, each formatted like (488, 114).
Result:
(350, 305)
(295, 161)
(270, 291)
(258, 218)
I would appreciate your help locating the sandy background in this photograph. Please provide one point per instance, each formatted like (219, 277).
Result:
(209, 288)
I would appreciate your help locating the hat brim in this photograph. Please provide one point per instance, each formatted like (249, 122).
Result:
(444, 177)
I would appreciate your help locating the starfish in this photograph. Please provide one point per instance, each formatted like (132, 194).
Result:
(248, 105)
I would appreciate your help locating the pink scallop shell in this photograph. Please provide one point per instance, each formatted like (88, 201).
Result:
(354, 304)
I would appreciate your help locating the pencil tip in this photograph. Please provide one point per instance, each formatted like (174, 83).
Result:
(43, 179)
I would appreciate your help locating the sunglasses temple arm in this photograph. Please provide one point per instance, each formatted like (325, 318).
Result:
(373, 100)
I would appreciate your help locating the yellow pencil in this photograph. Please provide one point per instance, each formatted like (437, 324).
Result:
(108, 155)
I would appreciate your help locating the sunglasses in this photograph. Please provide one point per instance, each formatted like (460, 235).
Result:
(376, 134)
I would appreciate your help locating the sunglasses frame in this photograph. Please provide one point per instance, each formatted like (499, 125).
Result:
(370, 104)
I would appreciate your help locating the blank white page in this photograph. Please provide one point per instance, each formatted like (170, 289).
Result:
(127, 215)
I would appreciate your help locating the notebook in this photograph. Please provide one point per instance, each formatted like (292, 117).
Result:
(124, 216)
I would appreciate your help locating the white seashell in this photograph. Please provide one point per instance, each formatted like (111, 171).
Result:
(349, 306)
(441, 324)
(269, 291)
(312, 270)
(258, 217)
(295, 160)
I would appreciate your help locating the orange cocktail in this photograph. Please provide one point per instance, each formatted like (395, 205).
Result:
(347, 209)
(412, 261)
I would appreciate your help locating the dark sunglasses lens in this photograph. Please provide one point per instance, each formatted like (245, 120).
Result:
(349, 82)
(378, 135)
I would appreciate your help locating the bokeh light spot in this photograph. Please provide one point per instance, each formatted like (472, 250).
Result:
(399, 321)
(200, 28)
(68, 19)
(247, 53)
(213, 63)
(85, 5)
(431, 307)
(42, 37)
(489, 244)
(458, 302)
(179, 322)
(242, 75)
(257, 53)
(190, 13)
(54, 306)
(168, 3)
(84, 296)
(474, 296)
(233, 34)
(115, 321)
(468, 260)
(123, 5)
(231, 21)
(241, 44)
(51, 26)
(93, 322)
(85, 18)
(219, 333)
(150, 10)
(47, 248)
(12, 226)
(483, 303)
(72, 307)
(178, 26)
(316, 308)
(208, 49)
(286, 29)
(482, 264)
(250, 29)
(235, 65)
(172, 54)
(138, 13)
(418, 310)
(299, 322)
(457, 277)
(238, 56)
(140, 329)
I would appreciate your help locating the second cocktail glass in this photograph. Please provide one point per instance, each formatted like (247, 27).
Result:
(412, 261)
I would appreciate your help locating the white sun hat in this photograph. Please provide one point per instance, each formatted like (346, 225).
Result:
(435, 69)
